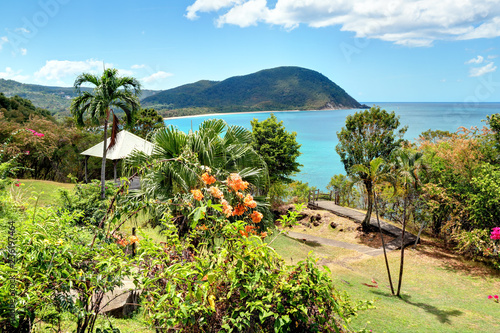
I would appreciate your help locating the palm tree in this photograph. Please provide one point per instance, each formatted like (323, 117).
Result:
(406, 166)
(378, 173)
(110, 90)
(223, 148)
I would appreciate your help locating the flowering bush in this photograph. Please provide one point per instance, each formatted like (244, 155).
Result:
(241, 285)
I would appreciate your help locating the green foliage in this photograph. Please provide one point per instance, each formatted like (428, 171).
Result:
(175, 162)
(54, 271)
(483, 201)
(85, 200)
(282, 88)
(368, 135)
(282, 193)
(19, 110)
(278, 148)
(243, 285)
(55, 99)
(344, 190)
(146, 122)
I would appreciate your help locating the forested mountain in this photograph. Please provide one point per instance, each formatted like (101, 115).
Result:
(281, 88)
(55, 99)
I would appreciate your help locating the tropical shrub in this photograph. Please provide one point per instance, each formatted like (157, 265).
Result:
(85, 199)
(242, 285)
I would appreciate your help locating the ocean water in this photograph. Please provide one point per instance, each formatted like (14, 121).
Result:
(317, 130)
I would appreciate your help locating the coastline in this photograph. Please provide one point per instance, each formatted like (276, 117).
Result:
(223, 113)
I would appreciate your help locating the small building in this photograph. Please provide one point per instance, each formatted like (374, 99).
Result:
(126, 143)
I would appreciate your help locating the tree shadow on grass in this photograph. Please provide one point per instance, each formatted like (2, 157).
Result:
(442, 315)
(310, 243)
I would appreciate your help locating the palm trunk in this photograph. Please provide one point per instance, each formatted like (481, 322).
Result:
(103, 165)
(383, 245)
(366, 222)
(401, 264)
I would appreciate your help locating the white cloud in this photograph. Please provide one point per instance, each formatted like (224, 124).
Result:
(11, 74)
(493, 56)
(403, 22)
(477, 60)
(138, 66)
(209, 6)
(3, 40)
(24, 51)
(156, 77)
(479, 71)
(60, 71)
(22, 30)
(246, 14)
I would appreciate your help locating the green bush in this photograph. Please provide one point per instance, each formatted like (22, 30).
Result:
(243, 285)
(86, 199)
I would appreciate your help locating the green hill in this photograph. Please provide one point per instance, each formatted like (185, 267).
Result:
(55, 99)
(282, 88)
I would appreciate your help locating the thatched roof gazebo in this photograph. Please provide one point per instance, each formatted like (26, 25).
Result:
(126, 143)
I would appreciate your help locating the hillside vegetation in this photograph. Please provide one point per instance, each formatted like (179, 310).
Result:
(55, 99)
(282, 88)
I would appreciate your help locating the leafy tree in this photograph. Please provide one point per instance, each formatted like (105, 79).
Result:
(278, 148)
(343, 188)
(367, 135)
(146, 122)
(110, 90)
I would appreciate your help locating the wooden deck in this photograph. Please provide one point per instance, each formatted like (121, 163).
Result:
(358, 217)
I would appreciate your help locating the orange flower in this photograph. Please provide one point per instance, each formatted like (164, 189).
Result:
(122, 242)
(249, 228)
(248, 201)
(243, 233)
(228, 210)
(208, 179)
(263, 234)
(197, 194)
(133, 239)
(256, 216)
(240, 195)
(215, 192)
(239, 210)
(235, 182)
(202, 227)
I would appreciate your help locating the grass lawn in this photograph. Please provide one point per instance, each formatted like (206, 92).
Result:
(440, 291)
(45, 189)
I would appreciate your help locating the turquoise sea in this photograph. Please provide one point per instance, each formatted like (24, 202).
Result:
(316, 130)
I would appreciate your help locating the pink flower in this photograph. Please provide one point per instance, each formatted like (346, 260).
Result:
(495, 297)
(495, 233)
(17, 184)
(490, 297)
(27, 152)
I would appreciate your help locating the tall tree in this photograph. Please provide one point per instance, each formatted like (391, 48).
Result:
(367, 135)
(278, 147)
(110, 91)
(379, 173)
(406, 168)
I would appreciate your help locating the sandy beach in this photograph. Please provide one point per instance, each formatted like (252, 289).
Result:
(224, 113)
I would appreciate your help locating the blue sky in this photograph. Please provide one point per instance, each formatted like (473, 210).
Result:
(392, 51)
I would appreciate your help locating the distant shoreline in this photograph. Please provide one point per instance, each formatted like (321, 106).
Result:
(223, 113)
(251, 112)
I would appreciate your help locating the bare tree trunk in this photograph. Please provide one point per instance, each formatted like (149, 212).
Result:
(401, 264)
(383, 244)
(366, 222)
(104, 150)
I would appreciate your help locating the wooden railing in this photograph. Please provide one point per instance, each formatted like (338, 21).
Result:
(315, 195)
